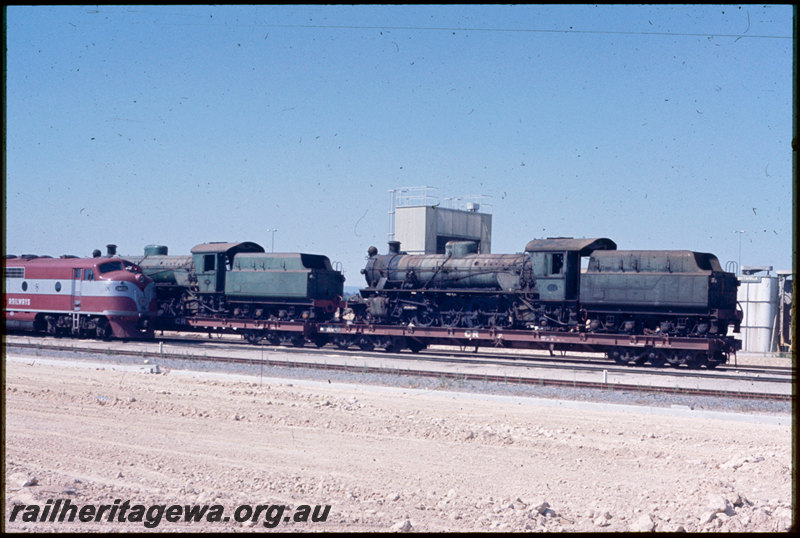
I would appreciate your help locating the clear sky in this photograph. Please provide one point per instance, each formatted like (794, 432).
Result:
(661, 127)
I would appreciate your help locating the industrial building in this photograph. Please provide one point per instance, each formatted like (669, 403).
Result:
(423, 224)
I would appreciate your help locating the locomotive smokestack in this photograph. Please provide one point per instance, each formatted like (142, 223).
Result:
(394, 247)
(112, 250)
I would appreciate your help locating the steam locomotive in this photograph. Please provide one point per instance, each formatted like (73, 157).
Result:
(241, 281)
(560, 284)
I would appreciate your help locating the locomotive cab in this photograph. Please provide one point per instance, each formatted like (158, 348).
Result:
(213, 260)
(556, 263)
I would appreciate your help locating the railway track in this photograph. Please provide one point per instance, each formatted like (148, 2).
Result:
(521, 360)
(443, 365)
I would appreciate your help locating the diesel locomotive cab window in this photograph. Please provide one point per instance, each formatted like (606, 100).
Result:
(88, 274)
(76, 274)
(109, 267)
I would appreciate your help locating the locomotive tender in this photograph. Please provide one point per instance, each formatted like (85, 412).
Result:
(679, 293)
(100, 296)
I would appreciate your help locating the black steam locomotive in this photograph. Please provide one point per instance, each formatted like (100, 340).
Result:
(556, 284)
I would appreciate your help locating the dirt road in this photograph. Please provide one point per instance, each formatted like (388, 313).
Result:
(382, 459)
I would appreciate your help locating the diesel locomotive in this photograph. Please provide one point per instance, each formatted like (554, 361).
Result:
(559, 284)
(71, 296)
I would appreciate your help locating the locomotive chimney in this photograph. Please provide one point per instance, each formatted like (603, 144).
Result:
(112, 250)
(394, 247)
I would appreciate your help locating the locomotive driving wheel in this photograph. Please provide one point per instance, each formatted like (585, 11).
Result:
(423, 318)
(450, 318)
(472, 319)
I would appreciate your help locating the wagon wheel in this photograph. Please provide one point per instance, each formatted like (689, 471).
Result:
(658, 360)
(366, 344)
(692, 360)
(619, 356)
(415, 345)
(320, 340)
(103, 329)
(253, 337)
(342, 342)
(394, 344)
(273, 338)
(52, 327)
(628, 356)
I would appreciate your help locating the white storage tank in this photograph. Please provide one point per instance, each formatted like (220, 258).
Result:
(758, 296)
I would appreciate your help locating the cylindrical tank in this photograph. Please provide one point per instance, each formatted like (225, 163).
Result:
(758, 296)
(156, 250)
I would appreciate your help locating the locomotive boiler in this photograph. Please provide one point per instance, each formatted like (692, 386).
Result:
(463, 288)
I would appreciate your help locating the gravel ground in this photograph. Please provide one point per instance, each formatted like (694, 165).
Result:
(416, 457)
(446, 384)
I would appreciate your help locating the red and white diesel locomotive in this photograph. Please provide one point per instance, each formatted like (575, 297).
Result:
(100, 296)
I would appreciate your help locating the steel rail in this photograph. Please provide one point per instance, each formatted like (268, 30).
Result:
(490, 356)
(455, 376)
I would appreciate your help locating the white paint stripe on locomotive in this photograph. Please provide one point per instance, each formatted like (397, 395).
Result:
(84, 289)
(87, 288)
(13, 311)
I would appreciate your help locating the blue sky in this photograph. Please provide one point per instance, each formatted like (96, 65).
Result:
(661, 127)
